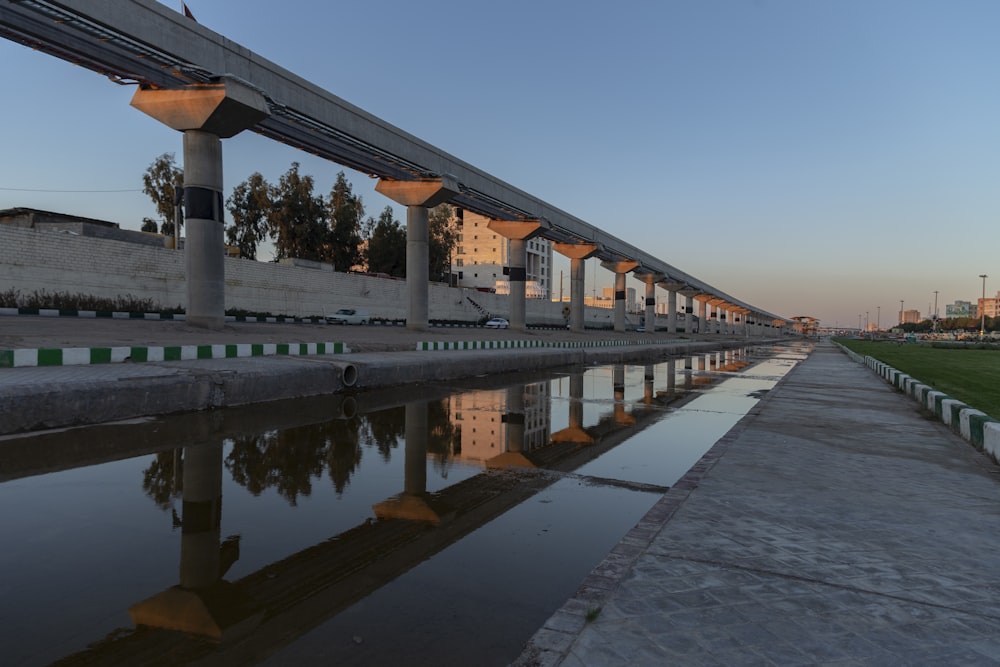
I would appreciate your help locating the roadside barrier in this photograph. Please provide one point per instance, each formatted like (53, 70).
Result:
(978, 428)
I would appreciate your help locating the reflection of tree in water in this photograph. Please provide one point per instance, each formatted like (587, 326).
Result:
(385, 429)
(289, 460)
(286, 460)
(344, 452)
(161, 482)
(443, 437)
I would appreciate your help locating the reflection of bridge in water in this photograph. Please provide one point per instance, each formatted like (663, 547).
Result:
(250, 618)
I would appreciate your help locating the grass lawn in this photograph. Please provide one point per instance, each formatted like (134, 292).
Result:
(971, 376)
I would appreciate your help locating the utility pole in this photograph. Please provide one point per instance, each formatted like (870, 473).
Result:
(982, 308)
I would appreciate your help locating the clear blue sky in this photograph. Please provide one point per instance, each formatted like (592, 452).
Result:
(821, 158)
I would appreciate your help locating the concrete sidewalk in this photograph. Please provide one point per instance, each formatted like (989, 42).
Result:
(834, 525)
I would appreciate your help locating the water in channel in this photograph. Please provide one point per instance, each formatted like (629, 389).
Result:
(425, 525)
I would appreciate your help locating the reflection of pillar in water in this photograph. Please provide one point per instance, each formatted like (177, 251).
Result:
(701, 362)
(411, 504)
(649, 391)
(712, 361)
(618, 380)
(671, 376)
(204, 603)
(415, 470)
(574, 430)
(514, 417)
(202, 516)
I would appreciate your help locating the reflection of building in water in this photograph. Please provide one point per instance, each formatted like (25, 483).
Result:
(482, 418)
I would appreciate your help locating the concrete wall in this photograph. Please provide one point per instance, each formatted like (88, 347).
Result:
(33, 260)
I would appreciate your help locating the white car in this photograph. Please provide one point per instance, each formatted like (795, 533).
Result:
(349, 316)
(497, 323)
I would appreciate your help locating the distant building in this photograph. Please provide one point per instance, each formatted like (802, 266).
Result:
(909, 316)
(481, 257)
(75, 225)
(988, 306)
(959, 309)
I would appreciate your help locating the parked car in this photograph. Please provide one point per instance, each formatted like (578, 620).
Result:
(349, 316)
(497, 323)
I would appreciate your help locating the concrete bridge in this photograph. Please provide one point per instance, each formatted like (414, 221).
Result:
(210, 88)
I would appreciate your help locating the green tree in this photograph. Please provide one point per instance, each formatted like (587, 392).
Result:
(297, 218)
(161, 181)
(346, 214)
(386, 245)
(149, 225)
(442, 238)
(249, 206)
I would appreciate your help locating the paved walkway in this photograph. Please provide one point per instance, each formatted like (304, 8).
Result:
(835, 525)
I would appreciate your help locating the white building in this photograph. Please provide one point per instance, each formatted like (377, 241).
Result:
(481, 256)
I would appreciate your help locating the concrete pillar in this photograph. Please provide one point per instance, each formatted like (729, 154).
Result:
(620, 269)
(671, 312)
(205, 242)
(649, 316)
(649, 313)
(577, 253)
(205, 113)
(517, 232)
(702, 317)
(517, 261)
(417, 197)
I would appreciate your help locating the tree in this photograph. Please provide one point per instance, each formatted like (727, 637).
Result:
(441, 241)
(149, 225)
(162, 181)
(297, 218)
(346, 214)
(249, 206)
(386, 245)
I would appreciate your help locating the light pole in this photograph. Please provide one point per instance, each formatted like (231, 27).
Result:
(859, 323)
(935, 310)
(878, 318)
(982, 309)
(866, 321)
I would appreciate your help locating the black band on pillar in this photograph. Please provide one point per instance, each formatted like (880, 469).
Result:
(650, 300)
(619, 295)
(512, 418)
(203, 204)
(518, 274)
(688, 309)
(199, 516)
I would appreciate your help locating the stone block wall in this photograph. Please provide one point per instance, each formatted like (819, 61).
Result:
(33, 260)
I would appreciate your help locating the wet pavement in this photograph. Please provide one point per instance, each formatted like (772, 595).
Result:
(834, 525)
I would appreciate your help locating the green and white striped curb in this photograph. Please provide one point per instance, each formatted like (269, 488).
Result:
(511, 344)
(980, 429)
(78, 356)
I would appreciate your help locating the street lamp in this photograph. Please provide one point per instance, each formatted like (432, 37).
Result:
(878, 318)
(982, 308)
(866, 322)
(935, 310)
(859, 323)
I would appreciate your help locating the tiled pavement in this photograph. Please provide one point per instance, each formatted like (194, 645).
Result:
(835, 525)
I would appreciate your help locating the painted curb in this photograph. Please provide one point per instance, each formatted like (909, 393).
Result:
(975, 426)
(80, 356)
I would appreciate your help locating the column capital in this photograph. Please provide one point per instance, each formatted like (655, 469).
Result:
(622, 266)
(577, 250)
(426, 192)
(649, 278)
(521, 230)
(224, 109)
